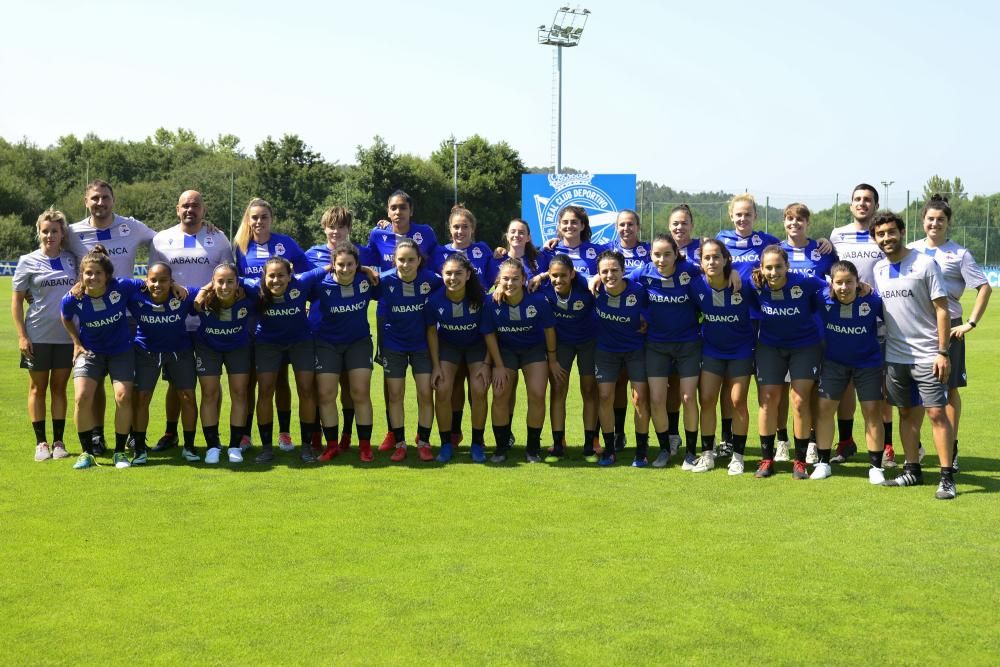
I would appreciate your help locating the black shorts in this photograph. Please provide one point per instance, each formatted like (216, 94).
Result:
(395, 363)
(956, 352)
(344, 357)
(178, 369)
(608, 365)
(473, 354)
(515, 359)
(209, 362)
(48, 356)
(584, 354)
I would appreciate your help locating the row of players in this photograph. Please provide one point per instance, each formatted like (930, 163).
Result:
(669, 344)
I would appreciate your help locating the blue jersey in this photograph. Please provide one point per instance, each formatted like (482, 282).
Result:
(401, 310)
(584, 257)
(788, 316)
(850, 331)
(574, 315)
(284, 321)
(319, 256)
(479, 255)
(673, 316)
(493, 271)
(634, 257)
(457, 324)
(162, 327)
(620, 317)
(808, 260)
(691, 252)
(229, 329)
(522, 326)
(726, 330)
(251, 263)
(102, 321)
(382, 244)
(745, 250)
(339, 313)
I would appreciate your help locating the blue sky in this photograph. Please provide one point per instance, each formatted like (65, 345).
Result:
(793, 100)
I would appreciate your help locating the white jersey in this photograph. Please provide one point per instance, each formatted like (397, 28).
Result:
(192, 258)
(908, 290)
(958, 268)
(858, 247)
(47, 279)
(122, 239)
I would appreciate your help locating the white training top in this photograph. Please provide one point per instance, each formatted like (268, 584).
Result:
(48, 279)
(121, 239)
(958, 268)
(858, 247)
(908, 290)
(192, 257)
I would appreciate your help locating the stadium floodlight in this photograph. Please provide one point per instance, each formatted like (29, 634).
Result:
(565, 31)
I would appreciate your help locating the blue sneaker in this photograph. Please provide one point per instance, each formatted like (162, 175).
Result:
(85, 461)
(607, 460)
(478, 453)
(640, 463)
(445, 453)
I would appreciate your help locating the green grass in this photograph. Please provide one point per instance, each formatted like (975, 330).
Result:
(470, 564)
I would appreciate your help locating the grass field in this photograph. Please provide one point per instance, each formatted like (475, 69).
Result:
(566, 564)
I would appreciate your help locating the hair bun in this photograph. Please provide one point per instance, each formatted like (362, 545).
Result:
(939, 197)
(99, 248)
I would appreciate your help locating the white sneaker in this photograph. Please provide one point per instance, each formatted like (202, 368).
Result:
(42, 452)
(812, 455)
(736, 465)
(876, 476)
(705, 463)
(285, 443)
(246, 443)
(235, 455)
(675, 443)
(781, 451)
(212, 455)
(821, 471)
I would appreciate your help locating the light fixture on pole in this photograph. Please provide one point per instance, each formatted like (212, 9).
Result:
(886, 185)
(566, 30)
(454, 150)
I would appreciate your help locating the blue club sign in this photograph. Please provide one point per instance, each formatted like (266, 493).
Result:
(601, 195)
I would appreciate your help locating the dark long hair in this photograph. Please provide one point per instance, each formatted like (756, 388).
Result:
(473, 289)
(265, 297)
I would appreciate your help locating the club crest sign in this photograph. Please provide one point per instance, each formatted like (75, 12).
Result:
(601, 195)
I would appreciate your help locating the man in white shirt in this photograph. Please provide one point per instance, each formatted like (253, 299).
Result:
(918, 332)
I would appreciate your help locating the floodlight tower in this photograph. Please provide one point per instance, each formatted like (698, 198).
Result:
(565, 31)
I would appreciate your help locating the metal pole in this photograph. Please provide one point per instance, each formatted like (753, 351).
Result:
(986, 250)
(836, 210)
(232, 194)
(559, 110)
(454, 148)
(767, 205)
(907, 214)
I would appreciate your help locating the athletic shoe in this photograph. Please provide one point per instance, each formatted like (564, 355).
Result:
(345, 443)
(85, 460)
(456, 438)
(723, 450)
(478, 453)
(920, 454)
(212, 455)
(400, 453)
(266, 456)
(845, 450)
(799, 470)
(662, 459)
(166, 441)
(689, 461)
(888, 457)
(876, 476)
(306, 453)
(765, 468)
(330, 453)
(606, 460)
(554, 455)
(906, 478)
(120, 459)
(821, 471)
(59, 450)
(954, 462)
(946, 489)
(190, 455)
(130, 443)
(736, 465)
(640, 463)
(424, 451)
(591, 458)
(98, 446)
(499, 455)
(246, 443)
(366, 453)
(675, 443)
(781, 450)
(705, 462)
(285, 443)
(235, 454)
(511, 442)
(388, 442)
(812, 455)
(532, 458)
(620, 442)
(42, 452)
(140, 459)
(445, 453)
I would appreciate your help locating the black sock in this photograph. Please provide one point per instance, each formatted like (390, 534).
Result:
(249, 423)
(423, 433)
(588, 441)
(211, 436)
(557, 440)
(875, 459)
(348, 421)
(783, 434)
(284, 421)
(330, 434)
(400, 435)
(766, 447)
(456, 420)
(824, 455)
(86, 440)
(266, 435)
(801, 447)
(663, 439)
(58, 427)
(39, 431)
(946, 473)
(641, 445)
(534, 445)
(620, 420)
(139, 438)
(500, 432)
(691, 441)
(307, 429)
(120, 440)
(387, 420)
(727, 429)
(707, 443)
(739, 444)
(954, 451)
(445, 437)
(364, 432)
(812, 435)
(673, 422)
(188, 439)
(887, 436)
(99, 431)
(235, 435)
(609, 443)
(170, 430)
(845, 429)
(479, 436)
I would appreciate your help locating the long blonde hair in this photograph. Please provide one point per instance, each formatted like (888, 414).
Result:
(241, 239)
(52, 215)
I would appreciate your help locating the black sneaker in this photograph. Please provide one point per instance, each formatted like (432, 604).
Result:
(723, 450)
(620, 443)
(98, 447)
(909, 477)
(946, 489)
(266, 456)
(307, 454)
(166, 441)
(500, 455)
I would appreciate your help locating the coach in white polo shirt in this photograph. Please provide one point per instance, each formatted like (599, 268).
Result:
(918, 332)
(192, 249)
